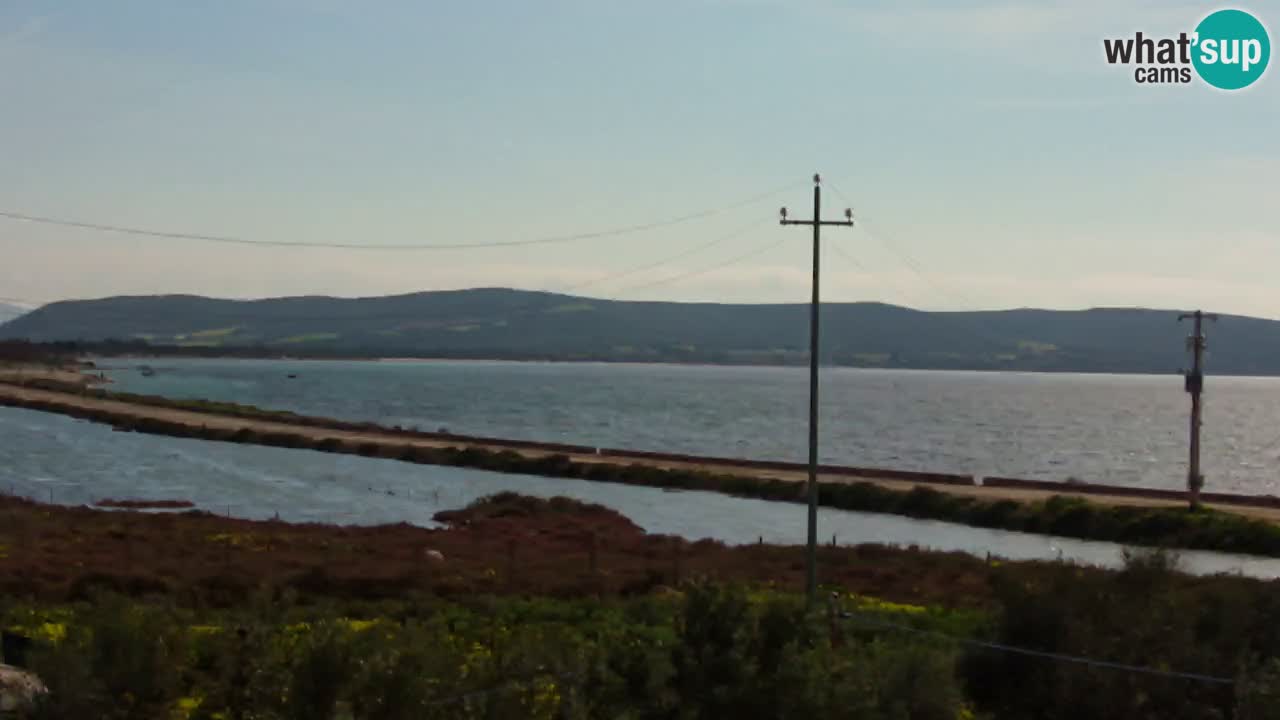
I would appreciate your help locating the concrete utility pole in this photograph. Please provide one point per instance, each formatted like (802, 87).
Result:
(811, 553)
(1195, 385)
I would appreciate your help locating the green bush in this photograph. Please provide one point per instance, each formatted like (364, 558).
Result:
(67, 671)
(1146, 616)
(721, 651)
(1258, 693)
(119, 660)
(321, 670)
(718, 653)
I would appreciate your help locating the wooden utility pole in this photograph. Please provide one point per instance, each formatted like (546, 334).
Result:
(1194, 386)
(811, 557)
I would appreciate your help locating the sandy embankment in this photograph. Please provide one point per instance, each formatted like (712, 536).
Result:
(68, 402)
(23, 372)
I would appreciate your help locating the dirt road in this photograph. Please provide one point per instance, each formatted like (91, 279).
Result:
(390, 441)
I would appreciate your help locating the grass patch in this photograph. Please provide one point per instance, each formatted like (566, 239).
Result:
(306, 338)
(214, 333)
(570, 308)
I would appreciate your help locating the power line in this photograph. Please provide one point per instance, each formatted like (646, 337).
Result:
(233, 240)
(719, 266)
(667, 260)
(754, 224)
(909, 296)
(535, 303)
(905, 256)
(916, 267)
(855, 261)
(965, 317)
(1059, 657)
(912, 295)
(979, 327)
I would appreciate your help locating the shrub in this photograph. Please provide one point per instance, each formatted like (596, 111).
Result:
(1258, 693)
(65, 668)
(319, 675)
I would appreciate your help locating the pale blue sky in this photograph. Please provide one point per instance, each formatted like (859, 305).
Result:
(988, 141)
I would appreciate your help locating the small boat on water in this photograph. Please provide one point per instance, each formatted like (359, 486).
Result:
(146, 370)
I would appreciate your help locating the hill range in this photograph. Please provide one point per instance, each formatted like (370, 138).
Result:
(514, 324)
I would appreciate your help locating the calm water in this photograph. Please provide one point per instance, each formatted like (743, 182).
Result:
(48, 456)
(1124, 430)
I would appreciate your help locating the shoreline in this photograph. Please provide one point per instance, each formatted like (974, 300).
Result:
(397, 360)
(79, 376)
(43, 390)
(392, 359)
(1247, 525)
(989, 487)
(544, 549)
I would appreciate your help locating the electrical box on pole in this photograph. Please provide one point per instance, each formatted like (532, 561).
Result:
(1194, 384)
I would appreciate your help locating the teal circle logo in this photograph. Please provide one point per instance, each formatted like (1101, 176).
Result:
(1232, 49)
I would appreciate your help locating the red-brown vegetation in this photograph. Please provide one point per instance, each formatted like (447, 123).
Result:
(512, 545)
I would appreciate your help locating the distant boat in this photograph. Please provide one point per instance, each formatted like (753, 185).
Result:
(147, 370)
(292, 376)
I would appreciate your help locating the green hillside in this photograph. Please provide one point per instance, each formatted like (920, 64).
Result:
(499, 323)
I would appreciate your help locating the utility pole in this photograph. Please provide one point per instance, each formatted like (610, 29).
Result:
(1194, 386)
(811, 552)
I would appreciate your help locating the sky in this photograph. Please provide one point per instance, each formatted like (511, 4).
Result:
(991, 156)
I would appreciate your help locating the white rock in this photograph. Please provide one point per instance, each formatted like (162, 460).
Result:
(19, 689)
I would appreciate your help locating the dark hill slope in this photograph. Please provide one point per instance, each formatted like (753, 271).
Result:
(502, 323)
(9, 312)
